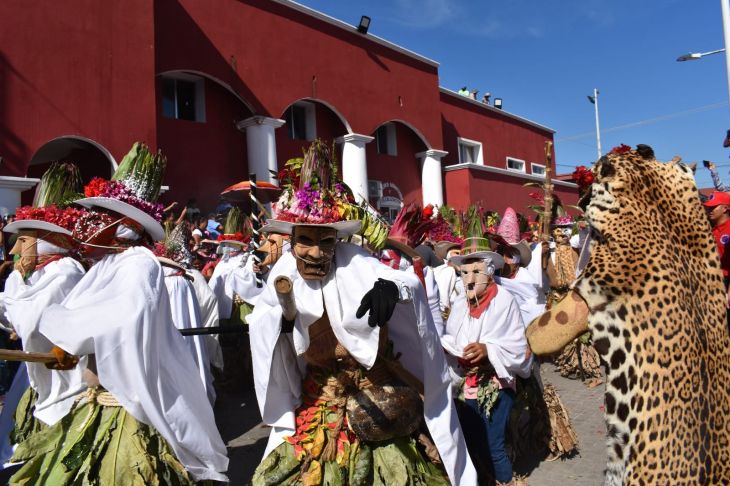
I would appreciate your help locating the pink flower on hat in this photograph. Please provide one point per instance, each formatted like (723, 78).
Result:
(509, 227)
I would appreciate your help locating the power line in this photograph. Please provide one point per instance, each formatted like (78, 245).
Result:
(647, 121)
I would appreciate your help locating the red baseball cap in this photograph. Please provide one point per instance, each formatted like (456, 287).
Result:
(717, 198)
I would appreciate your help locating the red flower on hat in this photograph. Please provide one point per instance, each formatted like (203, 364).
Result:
(583, 177)
(96, 187)
(620, 149)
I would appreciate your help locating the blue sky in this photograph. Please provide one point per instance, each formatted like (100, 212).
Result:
(543, 57)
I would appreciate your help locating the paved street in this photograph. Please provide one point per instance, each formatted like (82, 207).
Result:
(239, 422)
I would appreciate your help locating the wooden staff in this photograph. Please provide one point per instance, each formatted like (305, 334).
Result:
(548, 190)
(255, 226)
(19, 355)
(285, 294)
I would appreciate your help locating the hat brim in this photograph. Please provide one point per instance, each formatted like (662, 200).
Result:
(150, 225)
(232, 243)
(525, 253)
(713, 203)
(344, 228)
(34, 224)
(496, 258)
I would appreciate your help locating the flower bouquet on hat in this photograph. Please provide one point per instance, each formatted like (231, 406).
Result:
(509, 230)
(476, 245)
(50, 215)
(236, 230)
(133, 190)
(312, 195)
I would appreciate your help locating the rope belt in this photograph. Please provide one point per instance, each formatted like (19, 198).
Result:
(99, 396)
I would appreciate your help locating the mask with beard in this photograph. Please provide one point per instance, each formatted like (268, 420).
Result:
(26, 249)
(476, 276)
(561, 236)
(314, 249)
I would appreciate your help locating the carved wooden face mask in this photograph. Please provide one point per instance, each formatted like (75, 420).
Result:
(476, 275)
(26, 247)
(314, 248)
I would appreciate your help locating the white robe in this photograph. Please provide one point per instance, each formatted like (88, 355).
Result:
(446, 279)
(209, 316)
(186, 315)
(526, 288)
(500, 327)
(242, 282)
(219, 282)
(120, 311)
(23, 307)
(279, 367)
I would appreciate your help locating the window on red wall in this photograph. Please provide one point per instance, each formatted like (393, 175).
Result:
(301, 121)
(183, 98)
(385, 138)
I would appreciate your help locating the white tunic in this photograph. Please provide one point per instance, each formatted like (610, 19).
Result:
(186, 315)
(500, 327)
(23, 307)
(279, 367)
(120, 311)
(219, 282)
(209, 316)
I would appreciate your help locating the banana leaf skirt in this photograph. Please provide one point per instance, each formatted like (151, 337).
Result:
(25, 422)
(98, 442)
(326, 451)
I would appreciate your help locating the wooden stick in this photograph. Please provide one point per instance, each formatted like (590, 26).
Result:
(548, 189)
(19, 355)
(285, 293)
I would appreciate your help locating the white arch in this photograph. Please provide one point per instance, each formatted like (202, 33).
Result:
(408, 125)
(60, 147)
(217, 81)
(334, 110)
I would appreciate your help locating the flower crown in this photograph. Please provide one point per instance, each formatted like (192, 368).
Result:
(99, 187)
(65, 218)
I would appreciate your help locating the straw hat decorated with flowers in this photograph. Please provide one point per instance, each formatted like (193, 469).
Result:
(312, 195)
(133, 190)
(476, 245)
(50, 214)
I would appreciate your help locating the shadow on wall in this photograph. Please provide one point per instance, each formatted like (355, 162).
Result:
(13, 151)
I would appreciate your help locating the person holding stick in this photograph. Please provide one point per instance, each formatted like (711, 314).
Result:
(348, 368)
(142, 419)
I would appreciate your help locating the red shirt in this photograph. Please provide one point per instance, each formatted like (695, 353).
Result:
(722, 239)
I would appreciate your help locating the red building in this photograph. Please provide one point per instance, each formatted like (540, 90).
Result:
(227, 87)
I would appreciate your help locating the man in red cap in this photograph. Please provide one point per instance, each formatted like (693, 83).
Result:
(719, 205)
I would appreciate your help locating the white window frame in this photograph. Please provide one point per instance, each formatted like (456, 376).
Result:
(479, 155)
(390, 140)
(541, 166)
(310, 119)
(514, 159)
(199, 95)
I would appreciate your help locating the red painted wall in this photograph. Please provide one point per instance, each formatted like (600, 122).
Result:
(403, 169)
(500, 135)
(272, 55)
(80, 68)
(496, 192)
(204, 158)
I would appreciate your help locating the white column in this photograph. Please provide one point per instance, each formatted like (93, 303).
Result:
(261, 146)
(432, 185)
(355, 164)
(10, 190)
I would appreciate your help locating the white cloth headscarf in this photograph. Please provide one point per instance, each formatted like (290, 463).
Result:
(120, 311)
(279, 367)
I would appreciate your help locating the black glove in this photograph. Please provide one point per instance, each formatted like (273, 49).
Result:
(380, 301)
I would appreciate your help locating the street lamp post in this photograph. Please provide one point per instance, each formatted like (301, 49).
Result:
(594, 99)
(693, 56)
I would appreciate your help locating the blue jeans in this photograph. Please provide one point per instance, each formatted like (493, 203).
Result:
(485, 436)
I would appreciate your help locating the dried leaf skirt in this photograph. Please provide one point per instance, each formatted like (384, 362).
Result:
(98, 445)
(25, 422)
(325, 451)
